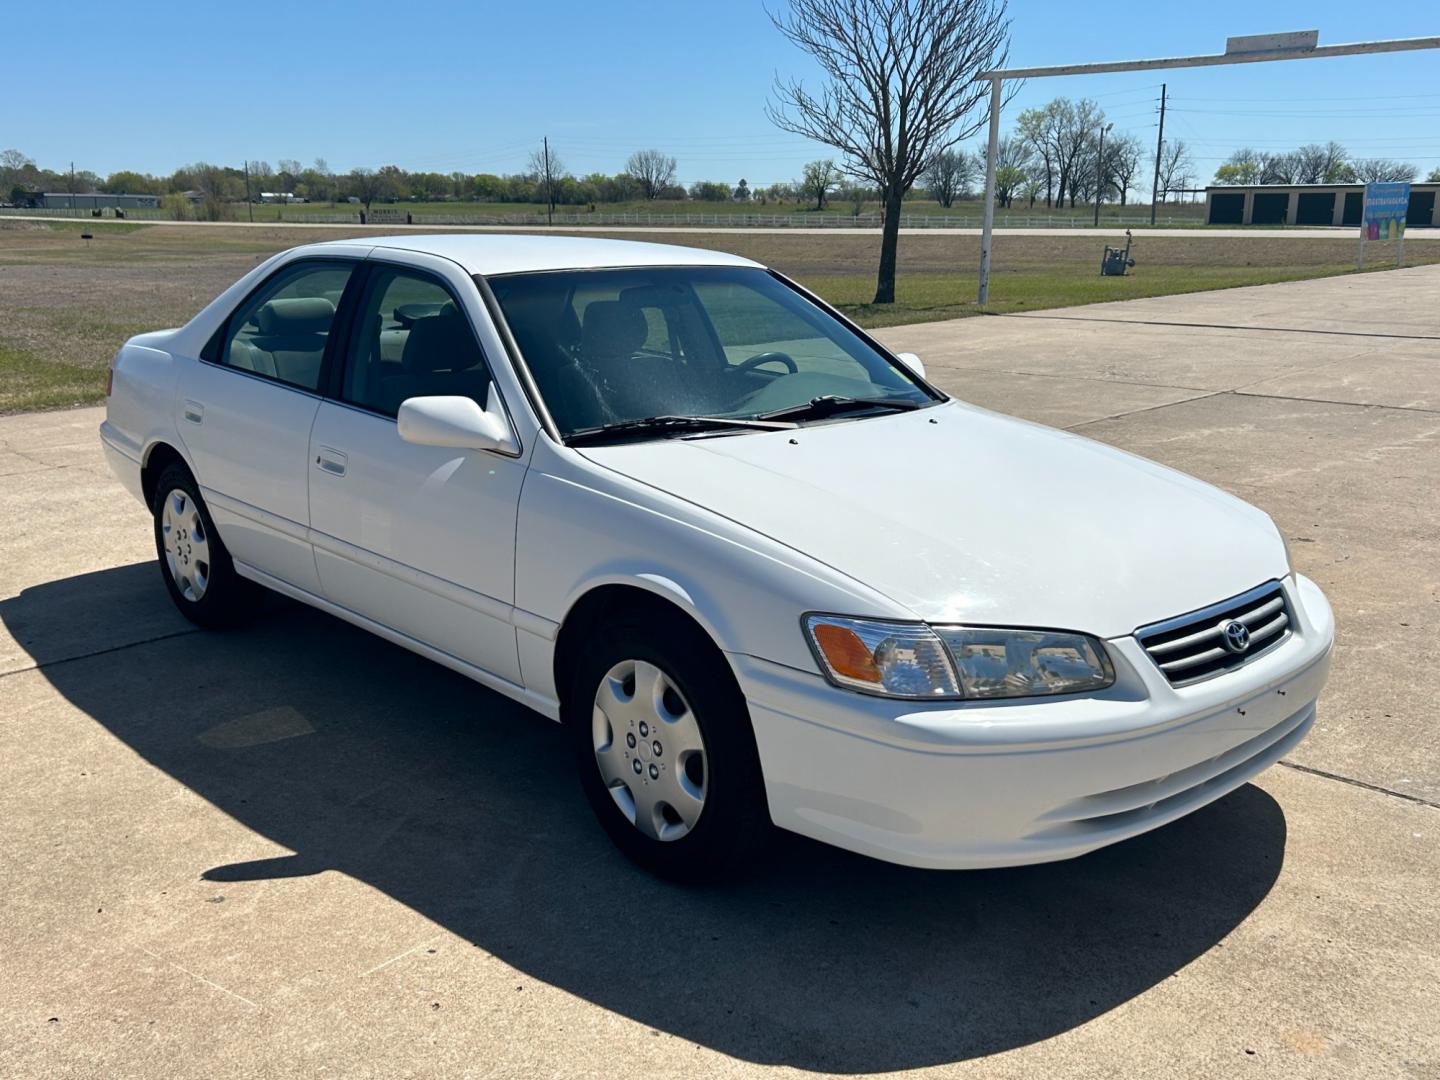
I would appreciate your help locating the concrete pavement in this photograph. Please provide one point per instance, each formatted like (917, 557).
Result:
(294, 849)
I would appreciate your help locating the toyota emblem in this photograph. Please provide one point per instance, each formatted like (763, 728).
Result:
(1236, 636)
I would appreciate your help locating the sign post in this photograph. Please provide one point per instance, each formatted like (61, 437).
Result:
(1384, 218)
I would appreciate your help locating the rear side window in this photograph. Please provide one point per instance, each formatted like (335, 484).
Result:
(281, 331)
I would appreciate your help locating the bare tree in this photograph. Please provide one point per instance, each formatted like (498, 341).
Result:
(1014, 161)
(949, 176)
(654, 170)
(1177, 170)
(544, 169)
(819, 179)
(899, 87)
(1076, 124)
(1316, 164)
(1383, 170)
(1279, 168)
(1123, 155)
(1243, 167)
(288, 175)
(1038, 128)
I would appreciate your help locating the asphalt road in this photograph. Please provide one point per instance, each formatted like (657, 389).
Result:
(296, 850)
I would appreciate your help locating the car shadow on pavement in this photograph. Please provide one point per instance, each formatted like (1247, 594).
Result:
(362, 758)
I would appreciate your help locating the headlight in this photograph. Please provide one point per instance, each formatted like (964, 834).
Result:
(894, 659)
(912, 660)
(1023, 663)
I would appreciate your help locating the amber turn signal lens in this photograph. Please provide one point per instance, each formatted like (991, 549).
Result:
(846, 653)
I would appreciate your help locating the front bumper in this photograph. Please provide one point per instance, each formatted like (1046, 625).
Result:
(979, 784)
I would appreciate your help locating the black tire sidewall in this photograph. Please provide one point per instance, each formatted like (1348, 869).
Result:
(735, 819)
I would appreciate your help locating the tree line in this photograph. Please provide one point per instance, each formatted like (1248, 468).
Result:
(208, 188)
(1313, 163)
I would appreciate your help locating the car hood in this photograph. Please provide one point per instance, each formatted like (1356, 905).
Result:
(964, 515)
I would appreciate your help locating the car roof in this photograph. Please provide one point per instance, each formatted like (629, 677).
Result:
(490, 253)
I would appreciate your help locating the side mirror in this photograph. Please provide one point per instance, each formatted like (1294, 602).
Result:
(913, 362)
(456, 422)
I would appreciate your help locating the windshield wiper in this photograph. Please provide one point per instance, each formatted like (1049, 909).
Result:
(667, 425)
(831, 404)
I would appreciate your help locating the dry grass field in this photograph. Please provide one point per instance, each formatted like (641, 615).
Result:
(67, 303)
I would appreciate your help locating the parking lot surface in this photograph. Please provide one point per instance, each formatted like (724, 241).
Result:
(294, 849)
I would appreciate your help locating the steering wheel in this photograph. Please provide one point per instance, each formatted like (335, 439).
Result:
(764, 358)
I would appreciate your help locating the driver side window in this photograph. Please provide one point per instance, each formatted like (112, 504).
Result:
(411, 339)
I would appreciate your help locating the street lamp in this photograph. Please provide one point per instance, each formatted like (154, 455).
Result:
(1100, 172)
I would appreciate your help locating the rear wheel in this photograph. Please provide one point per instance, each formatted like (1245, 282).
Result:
(665, 750)
(198, 572)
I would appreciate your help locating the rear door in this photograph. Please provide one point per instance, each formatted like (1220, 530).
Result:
(418, 538)
(246, 409)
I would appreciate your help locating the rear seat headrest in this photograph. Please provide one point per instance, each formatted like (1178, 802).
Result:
(296, 315)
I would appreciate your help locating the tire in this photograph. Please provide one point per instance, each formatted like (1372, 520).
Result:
(646, 801)
(199, 574)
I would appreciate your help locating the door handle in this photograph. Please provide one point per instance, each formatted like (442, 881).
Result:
(194, 411)
(330, 461)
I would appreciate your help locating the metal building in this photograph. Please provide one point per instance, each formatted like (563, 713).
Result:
(63, 200)
(1307, 204)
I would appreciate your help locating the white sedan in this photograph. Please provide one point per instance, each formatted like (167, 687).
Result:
(762, 570)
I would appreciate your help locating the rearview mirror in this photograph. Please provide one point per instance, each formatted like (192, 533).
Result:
(456, 422)
(911, 361)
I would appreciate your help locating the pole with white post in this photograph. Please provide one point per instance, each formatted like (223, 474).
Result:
(1300, 45)
(988, 229)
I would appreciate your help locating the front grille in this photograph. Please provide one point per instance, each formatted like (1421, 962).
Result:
(1192, 647)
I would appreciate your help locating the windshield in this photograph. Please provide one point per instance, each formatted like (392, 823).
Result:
(610, 346)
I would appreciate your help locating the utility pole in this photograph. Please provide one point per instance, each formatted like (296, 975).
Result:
(549, 188)
(1100, 172)
(1159, 149)
(249, 206)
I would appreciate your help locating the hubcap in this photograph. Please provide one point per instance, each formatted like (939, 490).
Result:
(187, 545)
(649, 750)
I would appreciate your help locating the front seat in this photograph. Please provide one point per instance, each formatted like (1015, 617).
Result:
(441, 357)
(610, 336)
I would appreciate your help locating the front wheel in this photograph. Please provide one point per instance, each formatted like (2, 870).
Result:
(665, 750)
(197, 569)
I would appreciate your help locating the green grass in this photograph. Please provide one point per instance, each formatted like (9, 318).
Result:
(67, 305)
(27, 382)
(928, 297)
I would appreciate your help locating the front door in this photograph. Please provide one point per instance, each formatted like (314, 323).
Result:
(245, 412)
(418, 538)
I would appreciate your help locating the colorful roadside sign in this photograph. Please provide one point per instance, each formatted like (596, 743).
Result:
(1384, 218)
(1385, 209)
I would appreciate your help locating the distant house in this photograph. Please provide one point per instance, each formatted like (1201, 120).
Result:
(280, 197)
(94, 200)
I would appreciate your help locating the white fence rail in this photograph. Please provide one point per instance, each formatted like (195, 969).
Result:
(398, 215)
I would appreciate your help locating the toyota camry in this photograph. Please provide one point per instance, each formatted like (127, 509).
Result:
(761, 568)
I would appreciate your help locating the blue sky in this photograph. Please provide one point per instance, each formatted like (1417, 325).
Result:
(474, 86)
